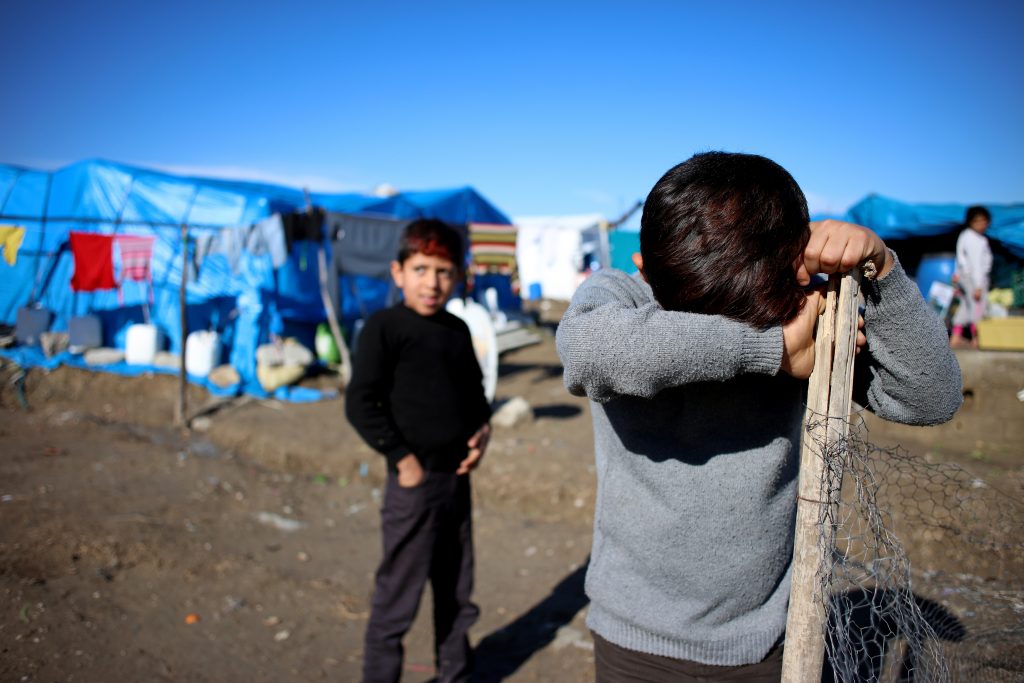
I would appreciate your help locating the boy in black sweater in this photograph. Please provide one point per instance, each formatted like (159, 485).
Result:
(417, 397)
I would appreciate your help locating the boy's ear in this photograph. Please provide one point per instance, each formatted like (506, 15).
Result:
(396, 272)
(638, 261)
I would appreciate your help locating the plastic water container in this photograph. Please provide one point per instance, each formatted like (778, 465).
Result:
(326, 348)
(202, 352)
(140, 345)
(937, 267)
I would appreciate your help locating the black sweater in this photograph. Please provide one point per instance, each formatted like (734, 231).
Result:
(416, 387)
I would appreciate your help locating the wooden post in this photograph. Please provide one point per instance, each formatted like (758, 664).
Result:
(826, 423)
(332, 318)
(179, 416)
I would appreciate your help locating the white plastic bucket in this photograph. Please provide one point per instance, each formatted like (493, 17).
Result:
(202, 352)
(140, 345)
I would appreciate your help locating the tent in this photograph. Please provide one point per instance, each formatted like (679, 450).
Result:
(245, 303)
(896, 220)
(553, 253)
(368, 229)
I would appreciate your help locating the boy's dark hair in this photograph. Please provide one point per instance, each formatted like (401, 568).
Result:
(975, 211)
(431, 237)
(720, 234)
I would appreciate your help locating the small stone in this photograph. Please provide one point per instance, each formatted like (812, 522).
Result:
(515, 411)
(282, 635)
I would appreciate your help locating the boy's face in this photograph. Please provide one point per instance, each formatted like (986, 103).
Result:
(426, 282)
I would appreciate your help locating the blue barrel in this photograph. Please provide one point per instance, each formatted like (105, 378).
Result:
(937, 267)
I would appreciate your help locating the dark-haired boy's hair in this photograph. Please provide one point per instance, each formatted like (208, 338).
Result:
(975, 211)
(720, 234)
(431, 237)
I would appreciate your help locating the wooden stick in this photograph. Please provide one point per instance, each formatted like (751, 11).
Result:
(345, 371)
(829, 398)
(179, 416)
(332, 319)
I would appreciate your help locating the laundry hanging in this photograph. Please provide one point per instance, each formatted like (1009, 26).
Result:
(11, 237)
(136, 256)
(94, 262)
(492, 247)
(306, 226)
(264, 237)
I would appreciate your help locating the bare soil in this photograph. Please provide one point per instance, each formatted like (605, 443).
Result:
(244, 550)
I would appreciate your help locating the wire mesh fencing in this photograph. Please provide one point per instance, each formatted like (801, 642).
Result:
(922, 577)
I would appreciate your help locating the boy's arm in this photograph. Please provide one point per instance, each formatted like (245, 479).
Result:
(907, 372)
(479, 408)
(366, 402)
(615, 340)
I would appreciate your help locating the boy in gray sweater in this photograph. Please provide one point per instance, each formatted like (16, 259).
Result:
(696, 369)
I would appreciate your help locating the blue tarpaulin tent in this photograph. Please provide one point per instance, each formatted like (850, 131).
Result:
(896, 220)
(460, 206)
(244, 304)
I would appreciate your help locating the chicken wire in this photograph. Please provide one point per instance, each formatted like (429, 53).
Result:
(922, 577)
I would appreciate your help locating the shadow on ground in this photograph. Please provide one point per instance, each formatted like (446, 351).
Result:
(545, 371)
(559, 411)
(501, 653)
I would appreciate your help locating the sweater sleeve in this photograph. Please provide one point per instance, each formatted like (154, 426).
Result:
(614, 339)
(366, 397)
(907, 372)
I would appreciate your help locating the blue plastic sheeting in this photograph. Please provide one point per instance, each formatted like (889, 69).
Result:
(245, 305)
(33, 357)
(508, 300)
(459, 206)
(109, 198)
(623, 244)
(362, 295)
(896, 220)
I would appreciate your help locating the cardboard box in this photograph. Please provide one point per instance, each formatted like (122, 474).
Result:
(1001, 334)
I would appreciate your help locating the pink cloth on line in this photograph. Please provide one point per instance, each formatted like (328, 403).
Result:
(136, 254)
(94, 262)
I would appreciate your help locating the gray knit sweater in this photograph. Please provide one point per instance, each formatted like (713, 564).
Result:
(697, 433)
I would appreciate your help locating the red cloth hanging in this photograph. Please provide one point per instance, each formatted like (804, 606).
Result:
(94, 261)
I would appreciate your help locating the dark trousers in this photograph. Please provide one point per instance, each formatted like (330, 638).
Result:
(615, 664)
(428, 535)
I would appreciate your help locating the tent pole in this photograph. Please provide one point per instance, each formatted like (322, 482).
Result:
(179, 417)
(332, 316)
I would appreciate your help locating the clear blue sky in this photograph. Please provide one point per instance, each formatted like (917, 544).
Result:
(544, 107)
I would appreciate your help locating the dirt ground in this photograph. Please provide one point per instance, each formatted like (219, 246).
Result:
(244, 551)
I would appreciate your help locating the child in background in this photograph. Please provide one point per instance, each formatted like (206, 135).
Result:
(696, 372)
(973, 266)
(416, 396)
